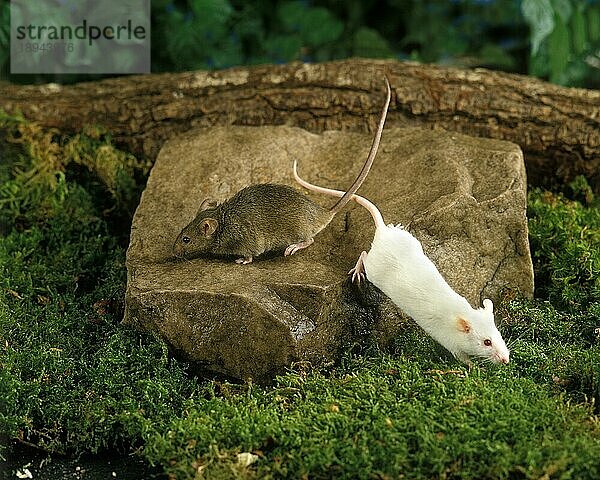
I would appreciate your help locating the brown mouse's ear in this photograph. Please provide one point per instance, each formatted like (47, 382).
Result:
(463, 325)
(206, 204)
(208, 226)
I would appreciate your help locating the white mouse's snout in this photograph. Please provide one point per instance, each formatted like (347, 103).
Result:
(503, 358)
(501, 353)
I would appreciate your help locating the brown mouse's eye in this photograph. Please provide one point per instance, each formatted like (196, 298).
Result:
(487, 342)
(185, 239)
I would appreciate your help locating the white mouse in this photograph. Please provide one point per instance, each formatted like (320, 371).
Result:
(397, 265)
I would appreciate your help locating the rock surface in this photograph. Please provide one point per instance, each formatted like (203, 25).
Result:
(463, 197)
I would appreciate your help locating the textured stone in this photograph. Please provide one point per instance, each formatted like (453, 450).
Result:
(463, 197)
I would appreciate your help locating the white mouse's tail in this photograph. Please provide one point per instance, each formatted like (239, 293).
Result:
(373, 210)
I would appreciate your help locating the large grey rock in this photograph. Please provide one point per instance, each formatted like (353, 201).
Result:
(463, 197)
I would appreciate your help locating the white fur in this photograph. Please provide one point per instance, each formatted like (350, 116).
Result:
(397, 265)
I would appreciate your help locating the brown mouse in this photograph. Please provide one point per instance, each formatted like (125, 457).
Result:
(265, 217)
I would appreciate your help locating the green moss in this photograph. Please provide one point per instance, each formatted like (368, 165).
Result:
(388, 418)
(565, 239)
(34, 174)
(73, 380)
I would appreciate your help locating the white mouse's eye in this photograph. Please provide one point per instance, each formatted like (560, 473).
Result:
(487, 342)
(185, 239)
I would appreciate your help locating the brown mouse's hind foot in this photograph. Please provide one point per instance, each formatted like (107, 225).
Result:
(358, 271)
(244, 260)
(294, 247)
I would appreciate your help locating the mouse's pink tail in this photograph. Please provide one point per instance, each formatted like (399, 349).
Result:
(372, 209)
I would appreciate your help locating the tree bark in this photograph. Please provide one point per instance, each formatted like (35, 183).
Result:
(557, 128)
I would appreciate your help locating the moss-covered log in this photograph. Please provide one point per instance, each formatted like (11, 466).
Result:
(558, 128)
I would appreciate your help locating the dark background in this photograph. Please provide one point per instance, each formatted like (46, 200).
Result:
(557, 40)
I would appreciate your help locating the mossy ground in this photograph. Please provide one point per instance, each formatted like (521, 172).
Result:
(73, 380)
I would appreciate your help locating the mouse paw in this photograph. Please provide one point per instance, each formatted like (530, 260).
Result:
(357, 277)
(463, 357)
(358, 271)
(294, 247)
(244, 260)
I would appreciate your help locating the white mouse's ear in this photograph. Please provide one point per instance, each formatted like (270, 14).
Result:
(488, 305)
(463, 325)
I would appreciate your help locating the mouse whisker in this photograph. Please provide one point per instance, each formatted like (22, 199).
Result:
(512, 342)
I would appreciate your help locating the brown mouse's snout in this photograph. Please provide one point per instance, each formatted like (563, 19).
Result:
(179, 247)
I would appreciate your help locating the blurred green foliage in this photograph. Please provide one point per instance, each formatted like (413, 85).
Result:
(557, 40)
(565, 40)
